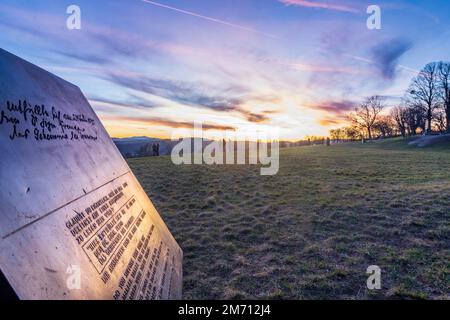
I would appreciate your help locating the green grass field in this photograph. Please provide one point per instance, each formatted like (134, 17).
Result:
(310, 231)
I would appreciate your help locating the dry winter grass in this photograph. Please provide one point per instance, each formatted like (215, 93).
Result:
(311, 230)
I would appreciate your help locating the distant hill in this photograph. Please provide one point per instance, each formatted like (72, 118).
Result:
(135, 147)
(142, 146)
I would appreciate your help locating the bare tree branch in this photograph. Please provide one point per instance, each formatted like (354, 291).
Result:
(366, 114)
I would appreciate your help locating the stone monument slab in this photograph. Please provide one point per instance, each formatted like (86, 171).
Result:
(74, 221)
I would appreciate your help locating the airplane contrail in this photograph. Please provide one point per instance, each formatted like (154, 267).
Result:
(401, 66)
(193, 14)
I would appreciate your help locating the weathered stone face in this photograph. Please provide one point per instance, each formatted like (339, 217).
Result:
(74, 221)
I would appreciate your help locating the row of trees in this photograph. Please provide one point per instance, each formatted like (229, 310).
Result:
(425, 108)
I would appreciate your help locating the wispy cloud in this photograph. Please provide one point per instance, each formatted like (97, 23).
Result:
(385, 57)
(335, 111)
(178, 91)
(314, 68)
(387, 54)
(329, 122)
(96, 59)
(334, 107)
(155, 121)
(211, 19)
(320, 5)
(97, 44)
(132, 102)
(232, 99)
(253, 117)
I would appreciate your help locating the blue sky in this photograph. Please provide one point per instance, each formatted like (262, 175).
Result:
(150, 67)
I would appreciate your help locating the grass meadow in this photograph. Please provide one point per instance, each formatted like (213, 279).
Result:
(310, 231)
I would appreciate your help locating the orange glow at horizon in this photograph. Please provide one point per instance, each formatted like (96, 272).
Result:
(122, 129)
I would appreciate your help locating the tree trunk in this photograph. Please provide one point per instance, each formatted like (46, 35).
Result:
(369, 131)
(429, 117)
(447, 118)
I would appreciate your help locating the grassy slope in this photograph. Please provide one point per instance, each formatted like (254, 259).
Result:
(311, 230)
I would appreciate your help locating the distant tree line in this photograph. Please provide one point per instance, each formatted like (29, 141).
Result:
(425, 109)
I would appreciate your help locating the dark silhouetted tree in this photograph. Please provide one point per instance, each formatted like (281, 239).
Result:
(440, 122)
(424, 91)
(367, 113)
(385, 126)
(416, 118)
(352, 133)
(400, 116)
(444, 87)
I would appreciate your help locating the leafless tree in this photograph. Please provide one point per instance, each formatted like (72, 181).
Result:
(366, 114)
(352, 133)
(385, 126)
(424, 91)
(416, 116)
(444, 86)
(400, 116)
(440, 122)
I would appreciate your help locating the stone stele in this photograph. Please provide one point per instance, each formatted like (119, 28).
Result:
(74, 221)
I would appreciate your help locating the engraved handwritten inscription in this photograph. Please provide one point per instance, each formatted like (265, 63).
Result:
(42, 123)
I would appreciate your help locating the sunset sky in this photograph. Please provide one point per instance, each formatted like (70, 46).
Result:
(148, 67)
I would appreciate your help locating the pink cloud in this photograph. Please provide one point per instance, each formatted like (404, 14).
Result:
(320, 5)
(315, 68)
